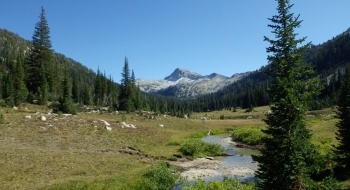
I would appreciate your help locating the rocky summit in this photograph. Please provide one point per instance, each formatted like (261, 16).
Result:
(183, 83)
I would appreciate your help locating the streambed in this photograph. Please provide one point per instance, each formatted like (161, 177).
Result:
(239, 165)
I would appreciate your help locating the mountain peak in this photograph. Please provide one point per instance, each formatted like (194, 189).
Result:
(180, 73)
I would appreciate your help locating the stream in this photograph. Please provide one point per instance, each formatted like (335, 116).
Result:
(239, 165)
(241, 157)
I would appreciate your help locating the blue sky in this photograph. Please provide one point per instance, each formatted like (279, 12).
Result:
(158, 36)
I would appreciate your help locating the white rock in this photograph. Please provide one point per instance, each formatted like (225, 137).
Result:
(161, 125)
(43, 118)
(125, 125)
(105, 122)
(28, 117)
(132, 126)
(108, 128)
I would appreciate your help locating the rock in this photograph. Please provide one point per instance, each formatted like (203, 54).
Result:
(108, 128)
(28, 117)
(106, 123)
(209, 158)
(161, 125)
(66, 114)
(125, 125)
(43, 118)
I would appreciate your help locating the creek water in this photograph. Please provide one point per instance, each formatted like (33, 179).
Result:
(240, 157)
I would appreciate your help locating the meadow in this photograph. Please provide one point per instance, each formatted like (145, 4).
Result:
(77, 152)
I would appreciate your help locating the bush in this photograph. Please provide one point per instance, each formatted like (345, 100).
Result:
(249, 135)
(160, 178)
(197, 148)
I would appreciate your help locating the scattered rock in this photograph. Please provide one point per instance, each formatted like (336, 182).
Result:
(161, 125)
(105, 122)
(28, 117)
(42, 118)
(108, 128)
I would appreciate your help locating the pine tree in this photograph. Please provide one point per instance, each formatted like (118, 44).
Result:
(287, 162)
(124, 94)
(40, 60)
(342, 150)
(21, 91)
(66, 101)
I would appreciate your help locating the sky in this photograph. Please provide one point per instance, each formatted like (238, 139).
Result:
(158, 36)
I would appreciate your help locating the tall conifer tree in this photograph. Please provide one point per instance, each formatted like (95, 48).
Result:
(41, 60)
(20, 88)
(287, 162)
(342, 151)
(124, 94)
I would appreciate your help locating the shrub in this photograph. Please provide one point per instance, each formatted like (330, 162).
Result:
(197, 148)
(160, 178)
(249, 135)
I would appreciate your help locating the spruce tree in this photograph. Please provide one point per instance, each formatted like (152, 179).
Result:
(342, 150)
(41, 60)
(21, 91)
(66, 101)
(287, 162)
(124, 93)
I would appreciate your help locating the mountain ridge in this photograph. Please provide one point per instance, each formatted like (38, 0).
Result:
(182, 83)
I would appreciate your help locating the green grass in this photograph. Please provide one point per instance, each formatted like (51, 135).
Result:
(195, 148)
(250, 135)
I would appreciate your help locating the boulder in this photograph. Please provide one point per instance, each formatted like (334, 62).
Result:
(42, 118)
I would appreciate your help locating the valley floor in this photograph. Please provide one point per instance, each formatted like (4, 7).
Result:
(77, 151)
